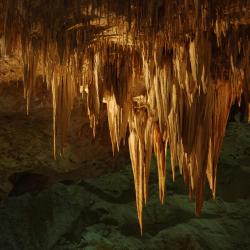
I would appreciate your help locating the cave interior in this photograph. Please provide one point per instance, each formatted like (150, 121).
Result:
(124, 124)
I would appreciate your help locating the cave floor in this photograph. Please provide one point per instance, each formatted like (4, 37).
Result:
(100, 213)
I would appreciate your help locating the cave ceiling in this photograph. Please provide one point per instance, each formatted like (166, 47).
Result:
(165, 73)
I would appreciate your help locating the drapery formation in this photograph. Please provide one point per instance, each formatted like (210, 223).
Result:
(166, 71)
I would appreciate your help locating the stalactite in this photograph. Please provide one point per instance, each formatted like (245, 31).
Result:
(168, 77)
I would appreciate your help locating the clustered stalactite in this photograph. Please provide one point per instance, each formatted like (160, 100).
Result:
(167, 72)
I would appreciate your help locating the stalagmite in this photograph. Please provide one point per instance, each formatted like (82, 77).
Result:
(167, 73)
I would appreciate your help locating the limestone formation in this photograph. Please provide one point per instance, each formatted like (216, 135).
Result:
(167, 72)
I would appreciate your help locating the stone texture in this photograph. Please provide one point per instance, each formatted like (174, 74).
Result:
(100, 213)
(26, 142)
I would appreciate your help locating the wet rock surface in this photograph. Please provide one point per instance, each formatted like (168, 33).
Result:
(99, 213)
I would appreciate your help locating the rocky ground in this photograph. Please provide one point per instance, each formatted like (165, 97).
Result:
(96, 213)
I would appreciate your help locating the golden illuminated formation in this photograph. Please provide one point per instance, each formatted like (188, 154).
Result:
(166, 71)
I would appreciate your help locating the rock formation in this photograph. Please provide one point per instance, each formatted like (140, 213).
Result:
(165, 72)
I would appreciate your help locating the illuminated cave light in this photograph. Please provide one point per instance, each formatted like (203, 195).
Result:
(156, 75)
